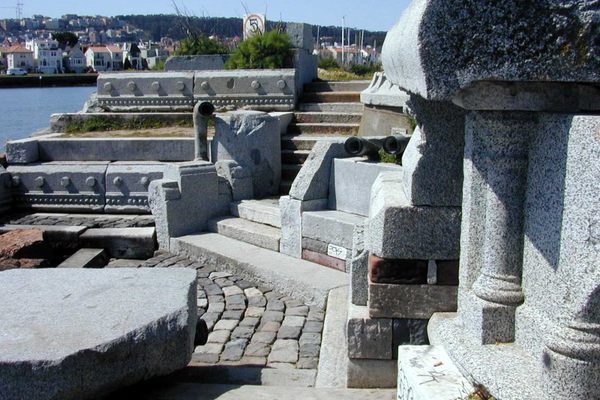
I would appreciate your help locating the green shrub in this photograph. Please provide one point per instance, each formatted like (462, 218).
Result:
(328, 63)
(200, 46)
(362, 70)
(262, 51)
(159, 66)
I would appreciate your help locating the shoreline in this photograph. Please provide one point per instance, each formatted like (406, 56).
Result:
(42, 81)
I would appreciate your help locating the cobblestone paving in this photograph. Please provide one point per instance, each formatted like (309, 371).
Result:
(248, 324)
(88, 220)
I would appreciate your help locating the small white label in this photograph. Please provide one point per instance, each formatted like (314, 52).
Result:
(337, 252)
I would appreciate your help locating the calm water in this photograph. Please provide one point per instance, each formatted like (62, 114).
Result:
(24, 111)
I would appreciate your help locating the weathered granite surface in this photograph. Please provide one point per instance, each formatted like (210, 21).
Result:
(439, 47)
(73, 334)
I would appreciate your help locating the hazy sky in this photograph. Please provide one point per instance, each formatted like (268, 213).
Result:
(378, 15)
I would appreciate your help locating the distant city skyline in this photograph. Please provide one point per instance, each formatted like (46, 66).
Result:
(359, 13)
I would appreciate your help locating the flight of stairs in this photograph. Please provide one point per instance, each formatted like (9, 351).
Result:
(325, 110)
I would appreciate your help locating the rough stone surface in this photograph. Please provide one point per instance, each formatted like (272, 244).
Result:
(22, 151)
(291, 223)
(301, 35)
(253, 141)
(196, 63)
(129, 337)
(331, 226)
(372, 374)
(122, 242)
(86, 258)
(434, 231)
(368, 338)
(382, 92)
(438, 48)
(410, 301)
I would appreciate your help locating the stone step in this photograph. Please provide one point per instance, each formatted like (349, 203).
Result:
(290, 171)
(285, 187)
(265, 211)
(351, 107)
(296, 278)
(250, 232)
(327, 117)
(335, 86)
(323, 128)
(86, 258)
(294, 156)
(331, 97)
(52, 233)
(132, 243)
(202, 391)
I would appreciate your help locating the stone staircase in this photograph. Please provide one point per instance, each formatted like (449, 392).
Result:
(326, 109)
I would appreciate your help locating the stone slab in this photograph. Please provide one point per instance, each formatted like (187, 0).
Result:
(351, 181)
(241, 229)
(428, 373)
(368, 338)
(331, 226)
(22, 151)
(301, 35)
(132, 243)
(196, 62)
(410, 301)
(51, 345)
(86, 258)
(372, 373)
(264, 211)
(291, 222)
(297, 278)
(52, 233)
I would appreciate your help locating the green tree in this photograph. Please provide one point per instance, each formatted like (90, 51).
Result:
(65, 39)
(200, 45)
(263, 51)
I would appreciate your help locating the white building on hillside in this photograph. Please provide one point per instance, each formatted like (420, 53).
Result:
(18, 57)
(47, 55)
(104, 58)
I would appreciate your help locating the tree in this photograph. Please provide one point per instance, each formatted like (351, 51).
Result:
(263, 51)
(65, 39)
(200, 45)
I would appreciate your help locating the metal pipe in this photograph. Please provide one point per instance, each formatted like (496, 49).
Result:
(202, 113)
(396, 144)
(360, 146)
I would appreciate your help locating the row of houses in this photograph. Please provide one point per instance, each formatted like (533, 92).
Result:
(45, 56)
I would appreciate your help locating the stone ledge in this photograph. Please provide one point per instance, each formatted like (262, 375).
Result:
(410, 301)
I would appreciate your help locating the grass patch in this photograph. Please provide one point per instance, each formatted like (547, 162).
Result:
(338, 74)
(100, 124)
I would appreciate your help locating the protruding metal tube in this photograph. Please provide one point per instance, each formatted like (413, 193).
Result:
(202, 113)
(396, 145)
(360, 146)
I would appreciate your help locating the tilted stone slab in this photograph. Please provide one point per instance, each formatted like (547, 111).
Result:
(79, 333)
(440, 47)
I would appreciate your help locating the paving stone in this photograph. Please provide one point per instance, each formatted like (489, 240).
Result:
(257, 349)
(313, 327)
(316, 315)
(251, 322)
(273, 316)
(206, 358)
(216, 308)
(253, 292)
(265, 289)
(289, 332)
(269, 326)
(292, 303)
(254, 312)
(243, 284)
(213, 289)
(219, 336)
(298, 311)
(310, 338)
(308, 363)
(242, 332)
(284, 351)
(224, 282)
(219, 274)
(202, 275)
(264, 337)
(202, 294)
(232, 291)
(275, 305)
(233, 314)
(203, 303)
(203, 282)
(310, 350)
(236, 302)
(281, 365)
(209, 348)
(256, 301)
(215, 299)
(257, 361)
(272, 295)
(293, 321)
(234, 350)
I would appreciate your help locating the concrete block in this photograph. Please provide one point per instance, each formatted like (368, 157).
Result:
(132, 243)
(116, 149)
(351, 181)
(398, 230)
(86, 258)
(24, 151)
(418, 365)
(253, 141)
(142, 325)
(423, 55)
(64, 186)
(410, 301)
(127, 185)
(368, 338)
(331, 226)
(312, 182)
(301, 35)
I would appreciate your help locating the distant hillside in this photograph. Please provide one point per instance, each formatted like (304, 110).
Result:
(161, 25)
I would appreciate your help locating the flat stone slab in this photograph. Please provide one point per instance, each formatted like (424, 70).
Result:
(79, 333)
(132, 243)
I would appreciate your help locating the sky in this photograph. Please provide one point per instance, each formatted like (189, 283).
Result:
(375, 15)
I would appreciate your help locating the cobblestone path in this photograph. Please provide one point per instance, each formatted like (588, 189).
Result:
(87, 220)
